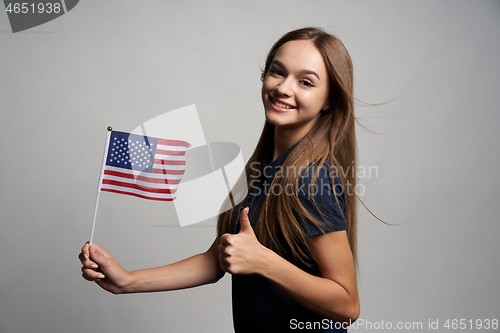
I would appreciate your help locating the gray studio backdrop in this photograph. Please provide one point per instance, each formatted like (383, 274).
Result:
(120, 63)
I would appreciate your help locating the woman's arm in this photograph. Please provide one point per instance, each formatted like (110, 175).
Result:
(333, 295)
(100, 266)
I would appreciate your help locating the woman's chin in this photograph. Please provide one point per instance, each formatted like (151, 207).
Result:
(276, 118)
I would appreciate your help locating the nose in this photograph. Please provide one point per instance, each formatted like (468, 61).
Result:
(285, 87)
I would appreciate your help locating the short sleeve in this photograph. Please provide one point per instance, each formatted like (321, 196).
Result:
(327, 211)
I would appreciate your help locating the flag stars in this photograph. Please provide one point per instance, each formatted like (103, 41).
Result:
(131, 152)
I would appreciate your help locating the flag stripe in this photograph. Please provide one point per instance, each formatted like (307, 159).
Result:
(170, 142)
(169, 153)
(170, 157)
(137, 187)
(167, 172)
(158, 174)
(139, 195)
(177, 149)
(153, 183)
(173, 165)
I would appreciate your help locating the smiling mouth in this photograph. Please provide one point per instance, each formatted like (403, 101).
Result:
(282, 105)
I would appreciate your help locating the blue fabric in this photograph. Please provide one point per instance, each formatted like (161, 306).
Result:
(258, 304)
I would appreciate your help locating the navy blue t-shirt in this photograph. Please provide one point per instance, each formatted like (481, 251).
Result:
(258, 304)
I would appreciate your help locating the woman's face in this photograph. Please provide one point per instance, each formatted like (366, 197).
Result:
(296, 86)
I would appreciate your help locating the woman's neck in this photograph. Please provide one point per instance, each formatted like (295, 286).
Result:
(285, 137)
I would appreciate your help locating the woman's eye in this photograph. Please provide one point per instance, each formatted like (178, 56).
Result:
(306, 83)
(275, 71)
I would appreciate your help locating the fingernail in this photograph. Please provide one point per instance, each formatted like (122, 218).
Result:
(92, 249)
(94, 266)
(86, 256)
(101, 276)
(97, 280)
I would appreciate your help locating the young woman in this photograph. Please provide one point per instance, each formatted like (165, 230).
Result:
(290, 246)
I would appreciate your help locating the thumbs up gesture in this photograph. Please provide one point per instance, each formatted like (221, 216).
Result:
(242, 253)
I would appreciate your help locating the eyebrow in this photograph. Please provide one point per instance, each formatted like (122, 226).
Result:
(303, 71)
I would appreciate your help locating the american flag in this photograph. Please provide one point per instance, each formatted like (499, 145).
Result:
(143, 166)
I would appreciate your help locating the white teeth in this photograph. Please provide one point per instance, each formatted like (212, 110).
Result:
(281, 105)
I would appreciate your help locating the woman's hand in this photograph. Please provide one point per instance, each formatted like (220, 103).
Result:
(99, 266)
(242, 253)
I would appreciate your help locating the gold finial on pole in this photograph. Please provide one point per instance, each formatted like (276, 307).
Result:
(110, 128)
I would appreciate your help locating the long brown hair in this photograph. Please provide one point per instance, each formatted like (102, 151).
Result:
(332, 140)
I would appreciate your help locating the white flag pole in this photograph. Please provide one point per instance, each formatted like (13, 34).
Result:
(93, 222)
(105, 155)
